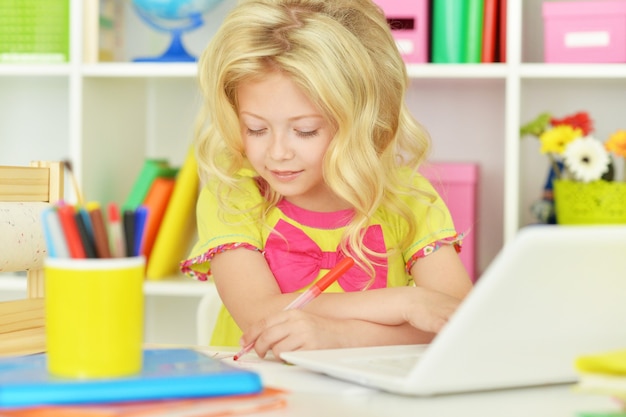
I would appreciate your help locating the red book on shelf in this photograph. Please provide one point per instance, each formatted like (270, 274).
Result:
(156, 202)
(490, 31)
(502, 32)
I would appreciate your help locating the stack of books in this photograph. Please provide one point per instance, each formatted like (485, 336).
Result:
(468, 31)
(448, 31)
(605, 374)
(168, 195)
(173, 382)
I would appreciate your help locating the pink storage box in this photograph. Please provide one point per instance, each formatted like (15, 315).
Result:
(583, 32)
(457, 184)
(409, 26)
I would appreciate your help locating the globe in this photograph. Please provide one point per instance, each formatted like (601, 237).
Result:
(175, 17)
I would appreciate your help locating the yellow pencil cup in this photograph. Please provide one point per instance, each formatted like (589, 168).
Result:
(94, 316)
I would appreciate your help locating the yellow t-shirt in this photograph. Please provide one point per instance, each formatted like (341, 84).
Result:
(300, 245)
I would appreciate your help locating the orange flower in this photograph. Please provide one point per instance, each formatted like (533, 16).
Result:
(616, 143)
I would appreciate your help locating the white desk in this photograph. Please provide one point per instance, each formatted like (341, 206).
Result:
(315, 395)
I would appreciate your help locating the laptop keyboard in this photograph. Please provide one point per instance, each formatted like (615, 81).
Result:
(392, 365)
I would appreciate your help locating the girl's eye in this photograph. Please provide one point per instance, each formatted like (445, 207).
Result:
(307, 134)
(257, 132)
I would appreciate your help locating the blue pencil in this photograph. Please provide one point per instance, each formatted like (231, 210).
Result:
(53, 234)
(141, 218)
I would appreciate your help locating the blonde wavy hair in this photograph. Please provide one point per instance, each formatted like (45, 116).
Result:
(342, 55)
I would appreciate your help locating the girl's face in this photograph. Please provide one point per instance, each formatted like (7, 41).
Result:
(285, 138)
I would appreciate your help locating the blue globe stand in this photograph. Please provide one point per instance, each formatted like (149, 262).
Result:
(176, 51)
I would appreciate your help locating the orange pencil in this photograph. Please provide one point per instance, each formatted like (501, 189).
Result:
(310, 294)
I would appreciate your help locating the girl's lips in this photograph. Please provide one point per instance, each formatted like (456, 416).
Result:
(285, 175)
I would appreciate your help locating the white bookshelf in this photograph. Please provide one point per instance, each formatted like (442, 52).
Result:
(170, 306)
(108, 117)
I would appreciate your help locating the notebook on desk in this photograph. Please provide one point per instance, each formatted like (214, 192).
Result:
(552, 294)
(166, 374)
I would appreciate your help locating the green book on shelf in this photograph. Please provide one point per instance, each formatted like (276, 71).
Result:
(474, 38)
(152, 168)
(449, 30)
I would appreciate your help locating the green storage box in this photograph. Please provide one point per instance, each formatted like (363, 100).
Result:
(34, 31)
(598, 202)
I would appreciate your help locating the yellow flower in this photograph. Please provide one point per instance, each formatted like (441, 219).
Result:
(617, 143)
(556, 139)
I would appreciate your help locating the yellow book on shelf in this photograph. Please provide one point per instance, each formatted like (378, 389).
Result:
(178, 224)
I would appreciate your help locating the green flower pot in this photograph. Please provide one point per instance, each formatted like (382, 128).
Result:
(598, 202)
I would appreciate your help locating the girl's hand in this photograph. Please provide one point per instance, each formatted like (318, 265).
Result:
(294, 330)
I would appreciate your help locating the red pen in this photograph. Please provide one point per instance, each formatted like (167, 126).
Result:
(310, 294)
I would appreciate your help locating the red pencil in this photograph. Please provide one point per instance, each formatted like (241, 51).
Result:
(70, 230)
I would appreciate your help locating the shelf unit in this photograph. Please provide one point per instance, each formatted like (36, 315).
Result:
(170, 306)
(107, 117)
(177, 286)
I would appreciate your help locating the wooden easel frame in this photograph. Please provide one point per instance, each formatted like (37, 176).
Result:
(22, 323)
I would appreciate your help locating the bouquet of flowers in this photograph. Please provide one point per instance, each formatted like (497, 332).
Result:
(576, 156)
(574, 152)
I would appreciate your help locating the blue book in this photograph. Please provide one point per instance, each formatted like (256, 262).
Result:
(166, 374)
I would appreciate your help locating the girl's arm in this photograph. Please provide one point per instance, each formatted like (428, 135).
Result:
(298, 329)
(442, 271)
(441, 282)
(247, 286)
(249, 291)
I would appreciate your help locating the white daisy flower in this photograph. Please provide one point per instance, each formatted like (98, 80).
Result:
(586, 159)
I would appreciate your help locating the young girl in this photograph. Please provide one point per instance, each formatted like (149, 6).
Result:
(308, 154)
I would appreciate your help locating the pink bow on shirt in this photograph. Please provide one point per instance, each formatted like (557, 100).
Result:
(295, 259)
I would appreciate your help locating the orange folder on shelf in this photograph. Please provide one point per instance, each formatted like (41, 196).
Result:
(156, 202)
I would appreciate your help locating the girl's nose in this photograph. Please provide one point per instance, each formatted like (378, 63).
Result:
(280, 148)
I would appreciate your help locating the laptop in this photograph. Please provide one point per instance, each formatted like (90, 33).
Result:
(551, 294)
